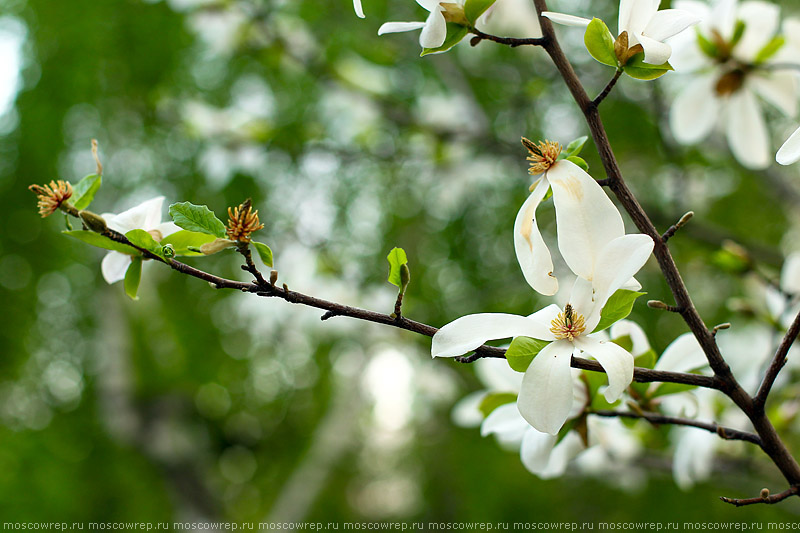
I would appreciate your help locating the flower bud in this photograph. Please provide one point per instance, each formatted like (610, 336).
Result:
(217, 245)
(93, 221)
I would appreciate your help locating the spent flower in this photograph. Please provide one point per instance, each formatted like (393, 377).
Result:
(51, 196)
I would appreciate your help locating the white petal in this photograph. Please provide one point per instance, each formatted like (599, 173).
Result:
(536, 449)
(566, 20)
(435, 30)
(566, 450)
(694, 111)
(618, 261)
(762, 21)
(790, 151)
(635, 14)
(167, 228)
(146, 216)
(633, 330)
(779, 89)
(544, 318)
(532, 253)
(632, 285)
(615, 360)
(694, 456)
(669, 22)
(586, 218)
(723, 17)
(655, 52)
(468, 332)
(684, 354)
(504, 420)
(430, 5)
(114, 266)
(497, 375)
(747, 130)
(582, 297)
(397, 27)
(545, 398)
(790, 274)
(466, 412)
(359, 10)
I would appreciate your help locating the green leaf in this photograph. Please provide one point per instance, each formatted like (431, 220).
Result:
(600, 43)
(522, 351)
(579, 161)
(665, 389)
(638, 69)
(142, 239)
(83, 192)
(132, 277)
(475, 8)
(617, 307)
(264, 253)
(397, 258)
(646, 360)
(624, 342)
(197, 218)
(185, 242)
(738, 32)
(595, 380)
(493, 400)
(100, 241)
(770, 49)
(455, 32)
(575, 147)
(708, 47)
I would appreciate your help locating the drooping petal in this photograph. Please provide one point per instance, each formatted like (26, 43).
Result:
(545, 398)
(617, 263)
(532, 253)
(762, 22)
(359, 10)
(790, 151)
(586, 218)
(694, 111)
(397, 27)
(565, 19)
(504, 420)
(466, 412)
(536, 449)
(468, 332)
(435, 30)
(146, 216)
(790, 274)
(497, 375)
(566, 450)
(669, 22)
(779, 89)
(615, 360)
(114, 266)
(747, 130)
(684, 354)
(694, 456)
(655, 52)
(633, 330)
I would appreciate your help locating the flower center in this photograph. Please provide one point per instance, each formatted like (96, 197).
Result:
(730, 82)
(542, 156)
(568, 325)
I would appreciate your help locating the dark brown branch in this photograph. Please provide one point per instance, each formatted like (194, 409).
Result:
(249, 266)
(510, 41)
(657, 418)
(766, 498)
(678, 225)
(607, 90)
(778, 361)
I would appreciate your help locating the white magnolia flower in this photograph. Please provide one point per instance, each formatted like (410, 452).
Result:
(146, 216)
(359, 10)
(644, 24)
(790, 151)
(545, 398)
(434, 29)
(727, 83)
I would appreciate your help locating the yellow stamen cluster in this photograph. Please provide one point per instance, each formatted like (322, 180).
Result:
(568, 325)
(543, 156)
(51, 196)
(242, 221)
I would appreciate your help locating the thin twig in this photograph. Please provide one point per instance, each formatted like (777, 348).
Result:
(767, 498)
(607, 90)
(657, 418)
(778, 361)
(678, 225)
(510, 41)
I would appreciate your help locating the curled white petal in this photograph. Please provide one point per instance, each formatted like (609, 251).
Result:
(435, 30)
(397, 27)
(790, 151)
(536, 449)
(114, 266)
(358, 9)
(532, 253)
(668, 23)
(468, 332)
(146, 216)
(545, 398)
(504, 420)
(655, 52)
(615, 360)
(566, 20)
(633, 330)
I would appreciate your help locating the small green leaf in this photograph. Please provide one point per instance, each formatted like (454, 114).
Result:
(455, 32)
(706, 46)
(600, 42)
(475, 8)
(595, 380)
(197, 218)
(624, 342)
(264, 253)
(770, 49)
(665, 389)
(522, 351)
(638, 69)
(738, 32)
(575, 147)
(397, 258)
(132, 277)
(83, 192)
(617, 307)
(579, 161)
(100, 241)
(185, 242)
(493, 400)
(142, 239)
(646, 360)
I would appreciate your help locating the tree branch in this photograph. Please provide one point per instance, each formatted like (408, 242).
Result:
(657, 418)
(510, 41)
(607, 90)
(778, 361)
(764, 498)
